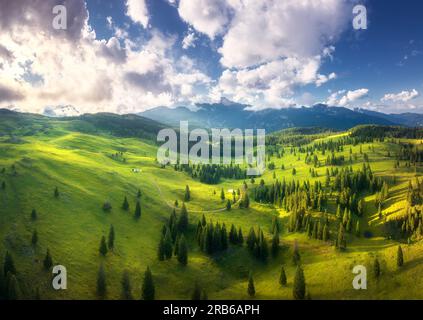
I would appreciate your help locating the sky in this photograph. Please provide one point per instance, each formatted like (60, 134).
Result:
(127, 56)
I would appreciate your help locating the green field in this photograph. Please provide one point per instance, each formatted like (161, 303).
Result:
(80, 164)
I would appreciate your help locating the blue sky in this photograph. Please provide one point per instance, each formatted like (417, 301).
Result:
(131, 55)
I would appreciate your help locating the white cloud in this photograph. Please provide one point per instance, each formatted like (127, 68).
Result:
(206, 16)
(346, 98)
(403, 96)
(39, 68)
(189, 40)
(137, 10)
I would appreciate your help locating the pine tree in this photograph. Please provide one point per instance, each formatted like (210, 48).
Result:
(187, 196)
(56, 192)
(125, 204)
(101, 282)
(182, 251)
(400, 257)
(240, 237)
(12, 286)
(33, 215)
(103, 246)
(9, 264)
(196, 294)
(246, 201)
(168, 248)
(251, 239)
(34, 239)
(222, 195)
(126, 286)
(228, 205)
(251, 289)
(183, 219)
(376, 268)
(299, 289)
(282, 277)
(48, 261)
(111, 238)
(148, 290)
(341, 242)
(138, 210)
(161, 249)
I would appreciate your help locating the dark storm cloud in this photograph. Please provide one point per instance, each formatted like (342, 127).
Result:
(7, 94)
(38, 14)
(152, 81)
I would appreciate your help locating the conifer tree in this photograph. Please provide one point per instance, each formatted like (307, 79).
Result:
(187, 196)
(161, 249)
(224, 237)
(101, 282)
(34, 239)
(222, 195)
(138, 210)
(282, 277)
(33, 215)
(196, 294)
(376, 268)
(148, 290)
(275, 243)
(126, 286)
(182, 251)
(56, 192)
(103, 246)
(251, 239)
(299, 288)
(357, 229)
(48, 261)
(125, 204)
(228, 205)
(240, 237)
(400, 257)
(341, 242)
(168, 249)
(111, 238)
(251, 288)
(183, 219)
(9, 264)
(246, 201)
(139, 194)
(296, 257)
(12, 286)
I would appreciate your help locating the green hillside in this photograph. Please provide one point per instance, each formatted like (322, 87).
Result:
(92, 163)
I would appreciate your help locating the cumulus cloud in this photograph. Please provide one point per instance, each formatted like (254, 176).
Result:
(206, 16)
(119, 74)
(189, 40)
(346, 98)
(137, 10)
(269, 47)
(403, 96)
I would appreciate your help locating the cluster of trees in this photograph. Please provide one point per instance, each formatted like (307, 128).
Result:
(258, 245)
(212, 173)
(213, 238)
(173, 240)
(110, 244)
(9, 285)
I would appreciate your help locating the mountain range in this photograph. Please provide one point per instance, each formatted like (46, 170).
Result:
(232, 115)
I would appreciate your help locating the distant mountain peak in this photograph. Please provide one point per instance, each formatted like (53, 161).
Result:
(61, 111)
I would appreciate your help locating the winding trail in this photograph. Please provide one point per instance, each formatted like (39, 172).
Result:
(170, 205)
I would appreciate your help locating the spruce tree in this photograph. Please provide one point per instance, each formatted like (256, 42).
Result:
(296, 257)
(103, 246)
(9, 264)
(282, 277)
(187, 196)
(161, 249)
(240, 237)
(299, 288)
(251, 289)
(56, 192)
(183, 219)
(125, 204)
(246, 201)
(13, 290)
(48, 261)
(34, 239)
(275, 243)
(222, 194)
(101, 282)
(376, 268)
(182, 251)
(228, 205)
(34, 214)
(111, 238)
(400, 257)
(126, 286)
(148, 290)
(138, 210)
(168, 247)
(196, 294)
